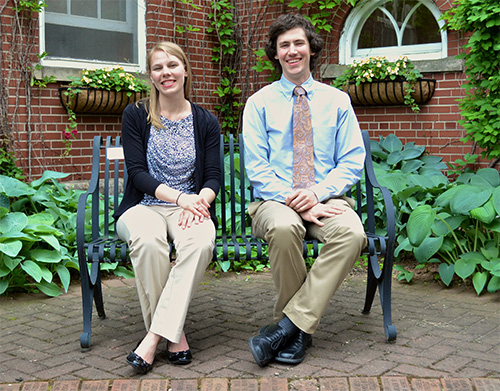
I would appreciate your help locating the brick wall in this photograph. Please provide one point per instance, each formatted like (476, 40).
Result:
(37, 134)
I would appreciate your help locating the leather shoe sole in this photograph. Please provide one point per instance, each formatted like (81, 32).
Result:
(180, 358)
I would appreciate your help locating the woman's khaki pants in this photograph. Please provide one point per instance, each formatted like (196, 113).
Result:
(303, 296)
(164, 290)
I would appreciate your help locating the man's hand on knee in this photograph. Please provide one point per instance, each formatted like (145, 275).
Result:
(321, 210)
(301, 200)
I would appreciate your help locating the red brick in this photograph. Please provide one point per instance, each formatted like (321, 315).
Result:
(304, 385)
(36, 386)
(184, 385)
(214, 384)
(364, 384)
(243, 385)
(125, 385)
(426, 385)
(273, 384)
(95, 385)
(456, 384)
(66, 385)
(485, 384)
(395, 383)
(334, 384)
(10, 387)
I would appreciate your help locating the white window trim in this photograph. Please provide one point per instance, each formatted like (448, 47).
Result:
(140, 67)
(355, 22)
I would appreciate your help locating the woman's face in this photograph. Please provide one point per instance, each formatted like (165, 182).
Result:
(167, 73)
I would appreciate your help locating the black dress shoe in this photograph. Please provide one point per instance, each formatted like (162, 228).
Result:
(269, 342)
(295, 352)
(180, 358)
(138, 363)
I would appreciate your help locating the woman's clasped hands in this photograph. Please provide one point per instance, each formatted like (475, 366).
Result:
(195, 209)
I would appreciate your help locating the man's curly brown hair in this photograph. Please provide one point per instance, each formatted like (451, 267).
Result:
(287, 22)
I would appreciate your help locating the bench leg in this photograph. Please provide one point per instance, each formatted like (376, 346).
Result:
(371, 288)
(99, 304)
(87, 301)
(383, 282)
(385, 300)
(91, 292)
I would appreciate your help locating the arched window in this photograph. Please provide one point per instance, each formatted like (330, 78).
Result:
(393, 28)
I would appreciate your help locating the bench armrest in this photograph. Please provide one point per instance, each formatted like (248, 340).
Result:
(371, 184)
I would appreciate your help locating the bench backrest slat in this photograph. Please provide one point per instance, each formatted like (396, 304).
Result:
(232, 201)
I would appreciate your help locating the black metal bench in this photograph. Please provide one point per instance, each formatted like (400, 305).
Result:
(98, 243)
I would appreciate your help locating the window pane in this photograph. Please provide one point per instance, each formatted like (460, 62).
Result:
(89, 44)
(84, 8)
(58, 6)
(114, 10)
(399, 9)
(421, 28)
(377, 31)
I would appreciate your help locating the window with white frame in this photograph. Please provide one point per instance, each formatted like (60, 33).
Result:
(79, 33)
(393, 28)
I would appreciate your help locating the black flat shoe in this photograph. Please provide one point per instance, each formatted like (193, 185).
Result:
(180, 358)
(138, 363)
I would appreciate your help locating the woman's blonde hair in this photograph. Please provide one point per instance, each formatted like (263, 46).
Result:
(153, 108)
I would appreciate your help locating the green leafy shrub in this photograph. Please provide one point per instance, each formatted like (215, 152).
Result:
(8, 164)
(454, 223)
(461, 228)
(480, 107)
(37, 234)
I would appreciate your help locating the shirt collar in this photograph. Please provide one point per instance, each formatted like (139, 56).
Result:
(287, 87)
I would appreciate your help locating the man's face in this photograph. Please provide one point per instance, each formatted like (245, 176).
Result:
(294, 54)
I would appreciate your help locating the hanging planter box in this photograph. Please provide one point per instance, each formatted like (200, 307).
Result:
(389, 92)
(84, 100)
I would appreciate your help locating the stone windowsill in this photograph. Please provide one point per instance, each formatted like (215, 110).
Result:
(62, 74)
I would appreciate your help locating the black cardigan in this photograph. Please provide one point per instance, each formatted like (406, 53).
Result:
(135, 136)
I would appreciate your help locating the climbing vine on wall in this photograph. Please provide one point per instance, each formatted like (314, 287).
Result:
(481, 104)
(227, 54)
(20, 17)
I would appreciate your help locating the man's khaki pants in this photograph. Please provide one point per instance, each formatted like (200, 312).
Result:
(164, 290)
(302, 296)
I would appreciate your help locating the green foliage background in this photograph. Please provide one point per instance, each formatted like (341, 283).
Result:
(480, 19)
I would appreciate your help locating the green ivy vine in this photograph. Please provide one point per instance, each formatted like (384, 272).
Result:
(480, 107)
(227, 54)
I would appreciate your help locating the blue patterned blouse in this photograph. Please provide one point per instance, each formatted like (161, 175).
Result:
(171, 156)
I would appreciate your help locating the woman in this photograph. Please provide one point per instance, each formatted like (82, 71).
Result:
(171, 149)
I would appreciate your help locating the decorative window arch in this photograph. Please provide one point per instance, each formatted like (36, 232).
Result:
(393, 28)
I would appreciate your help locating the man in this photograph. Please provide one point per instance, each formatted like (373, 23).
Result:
(295, 199)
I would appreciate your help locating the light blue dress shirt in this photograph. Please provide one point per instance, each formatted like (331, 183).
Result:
(339, 151)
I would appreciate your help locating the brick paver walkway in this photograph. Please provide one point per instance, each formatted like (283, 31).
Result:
(448, 339)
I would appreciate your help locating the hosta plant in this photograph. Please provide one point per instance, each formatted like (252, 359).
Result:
(461, 231)
(453, 223)
(37, 234)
